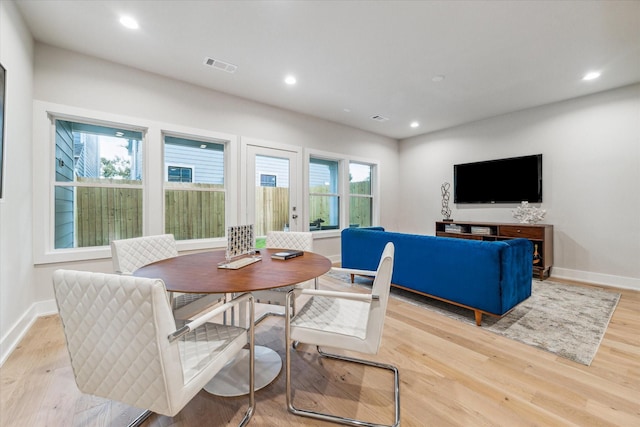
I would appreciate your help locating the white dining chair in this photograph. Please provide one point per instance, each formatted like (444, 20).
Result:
(128, 255)
(299, 240)
(124, 344)
(343, 320)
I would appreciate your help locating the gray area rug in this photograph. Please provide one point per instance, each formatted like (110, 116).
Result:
(566, 320)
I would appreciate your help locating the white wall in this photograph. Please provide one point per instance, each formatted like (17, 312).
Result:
(67, 78)
(16, 269)
(591, 179)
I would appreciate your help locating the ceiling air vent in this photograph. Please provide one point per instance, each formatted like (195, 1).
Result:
(379, 118)
(220, 65)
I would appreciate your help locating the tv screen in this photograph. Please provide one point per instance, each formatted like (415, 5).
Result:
(511, 180)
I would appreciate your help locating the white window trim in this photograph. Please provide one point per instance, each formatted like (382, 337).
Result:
(152, 188)
(245, 142)
(343, 186)
(341, 196)
(44, 177)
(231, 170)
(375, 187)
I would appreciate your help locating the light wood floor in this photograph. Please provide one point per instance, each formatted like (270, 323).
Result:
(452, 374)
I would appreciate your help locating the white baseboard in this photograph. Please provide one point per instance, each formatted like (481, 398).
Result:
(607, 280)
(11, 340)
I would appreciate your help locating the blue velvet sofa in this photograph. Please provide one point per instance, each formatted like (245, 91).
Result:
(488, 277)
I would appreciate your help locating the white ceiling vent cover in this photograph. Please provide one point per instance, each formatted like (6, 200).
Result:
(379, 118)
(220, 65)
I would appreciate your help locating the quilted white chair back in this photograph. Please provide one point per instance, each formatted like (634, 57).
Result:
(128, 255)
(302, 241)
(116, 329)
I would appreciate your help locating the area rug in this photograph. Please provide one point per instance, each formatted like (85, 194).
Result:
(566, 320)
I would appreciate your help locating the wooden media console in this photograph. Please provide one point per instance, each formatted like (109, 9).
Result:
(541, 235)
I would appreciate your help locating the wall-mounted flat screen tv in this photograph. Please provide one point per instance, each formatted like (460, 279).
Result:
(512, 180)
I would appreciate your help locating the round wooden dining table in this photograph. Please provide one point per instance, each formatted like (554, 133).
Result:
(200, 273)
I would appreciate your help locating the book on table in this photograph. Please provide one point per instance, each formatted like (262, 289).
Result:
(287, 254)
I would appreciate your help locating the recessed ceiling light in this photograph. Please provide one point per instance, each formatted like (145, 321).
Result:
(438, 78)
(203, 146)
(290, 80)
(119, 134)
(129, 22)
(346, 110)
(414, 124)
(591, 75)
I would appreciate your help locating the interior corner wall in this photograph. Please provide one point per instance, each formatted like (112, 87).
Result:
(16, 267)
(591, 179)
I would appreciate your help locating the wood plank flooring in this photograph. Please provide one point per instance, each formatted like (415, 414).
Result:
(452, 374)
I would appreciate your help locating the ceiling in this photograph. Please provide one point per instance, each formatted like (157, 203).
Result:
(357, 59)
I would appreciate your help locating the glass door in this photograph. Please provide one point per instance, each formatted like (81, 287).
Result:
(272, 190)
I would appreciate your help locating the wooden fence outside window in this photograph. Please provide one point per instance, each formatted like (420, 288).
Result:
(107, 213)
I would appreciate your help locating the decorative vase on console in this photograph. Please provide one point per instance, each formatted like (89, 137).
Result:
(446, 212)
(536, 255)
(528, 214)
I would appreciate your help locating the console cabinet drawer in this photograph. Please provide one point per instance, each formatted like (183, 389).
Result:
(525, 231)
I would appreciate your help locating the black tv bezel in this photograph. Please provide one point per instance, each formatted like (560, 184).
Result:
(487, 163)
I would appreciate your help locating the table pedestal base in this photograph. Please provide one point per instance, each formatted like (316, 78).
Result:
(233, 379)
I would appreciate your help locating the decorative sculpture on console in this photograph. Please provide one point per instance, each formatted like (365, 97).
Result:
(446, 212)
(528, 214)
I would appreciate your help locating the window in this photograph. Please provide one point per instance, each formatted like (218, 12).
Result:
(267, 180)
(360, 195)
(194, 202)
(324, 198)
(98, 184)
(342, 192)
(100, 176)
(271, 203)
(179, 174)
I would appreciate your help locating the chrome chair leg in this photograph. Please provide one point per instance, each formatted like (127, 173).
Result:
(293, 307)
(140, 419)
(267, 314)
(335, 418)
(273, 313)
(252, 358)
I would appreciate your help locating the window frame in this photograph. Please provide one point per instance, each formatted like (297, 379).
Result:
(79, 182)
(343, 188)
(373, 184)
(44, 182)
(337, 194)
(43, 178)
(229, 142)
